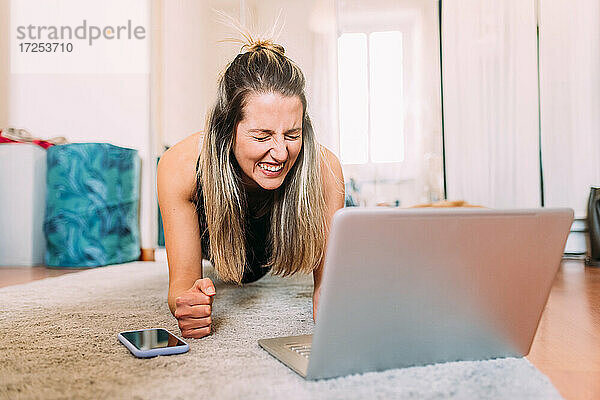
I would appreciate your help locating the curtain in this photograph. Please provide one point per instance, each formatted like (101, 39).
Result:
(570, 101)
(322, 90)
(491, 102)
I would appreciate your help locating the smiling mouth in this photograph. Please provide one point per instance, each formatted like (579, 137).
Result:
(271, 167)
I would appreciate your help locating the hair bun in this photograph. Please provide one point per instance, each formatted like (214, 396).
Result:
(259, 44)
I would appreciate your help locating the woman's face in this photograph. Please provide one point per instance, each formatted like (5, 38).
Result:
(268, 139)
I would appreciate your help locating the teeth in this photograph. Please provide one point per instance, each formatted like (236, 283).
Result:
(270, 167)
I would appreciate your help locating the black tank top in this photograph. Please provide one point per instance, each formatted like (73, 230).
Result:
(257, 238)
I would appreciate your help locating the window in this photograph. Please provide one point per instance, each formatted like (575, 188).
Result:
(389, 103)
(370, 74)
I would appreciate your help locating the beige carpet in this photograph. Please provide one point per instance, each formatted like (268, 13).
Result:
(58, 339)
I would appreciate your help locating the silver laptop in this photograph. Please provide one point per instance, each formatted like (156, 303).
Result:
(413, 287)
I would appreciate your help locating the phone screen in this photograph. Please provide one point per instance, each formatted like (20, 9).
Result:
(149, 339)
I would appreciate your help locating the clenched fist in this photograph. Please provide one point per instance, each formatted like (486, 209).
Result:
(193, 309)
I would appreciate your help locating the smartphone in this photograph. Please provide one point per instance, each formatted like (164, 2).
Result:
(152, 342)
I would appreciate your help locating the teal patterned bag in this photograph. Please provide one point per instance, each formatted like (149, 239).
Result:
(92, 203)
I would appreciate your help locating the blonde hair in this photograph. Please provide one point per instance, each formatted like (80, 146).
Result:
(296, 237)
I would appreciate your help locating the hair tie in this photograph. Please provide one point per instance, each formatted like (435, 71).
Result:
(259, 44)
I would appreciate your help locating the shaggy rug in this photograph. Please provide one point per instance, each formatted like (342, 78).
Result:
(58, 339)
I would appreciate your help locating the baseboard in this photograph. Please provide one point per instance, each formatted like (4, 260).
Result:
(147, 254)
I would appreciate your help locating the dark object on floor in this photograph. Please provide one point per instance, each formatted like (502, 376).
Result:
(593, 220)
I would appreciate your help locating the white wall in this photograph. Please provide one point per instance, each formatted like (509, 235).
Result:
(296, 35)
(183, 100)
(93, 107)
(4, 61)
(83, 107)
(192, 61)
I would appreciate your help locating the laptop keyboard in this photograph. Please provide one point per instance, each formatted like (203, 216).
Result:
(300, 349)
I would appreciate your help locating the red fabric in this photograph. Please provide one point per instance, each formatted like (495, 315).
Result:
(41, 143)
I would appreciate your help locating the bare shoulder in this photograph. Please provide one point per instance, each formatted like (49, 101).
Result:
(331, 168)
(177, 167)
(333, 179)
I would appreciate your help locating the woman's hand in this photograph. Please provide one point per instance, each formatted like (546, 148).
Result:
(193, 309)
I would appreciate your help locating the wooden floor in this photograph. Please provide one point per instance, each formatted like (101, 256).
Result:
(567, 344)
(17, 275)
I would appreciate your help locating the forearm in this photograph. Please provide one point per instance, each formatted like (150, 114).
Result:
(317, 276)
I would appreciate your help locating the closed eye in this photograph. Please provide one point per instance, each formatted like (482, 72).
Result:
(265, 134)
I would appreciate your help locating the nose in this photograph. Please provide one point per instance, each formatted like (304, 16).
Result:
(279, 150)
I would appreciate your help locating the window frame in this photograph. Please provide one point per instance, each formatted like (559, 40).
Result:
(406, 24)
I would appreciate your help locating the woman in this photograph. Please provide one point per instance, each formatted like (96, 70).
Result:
(254, 193)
